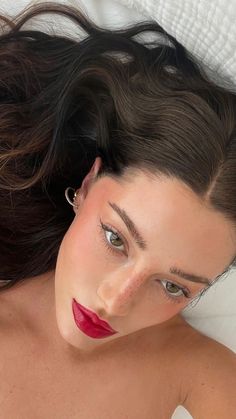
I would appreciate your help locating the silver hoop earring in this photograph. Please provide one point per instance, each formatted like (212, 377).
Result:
(67, 196)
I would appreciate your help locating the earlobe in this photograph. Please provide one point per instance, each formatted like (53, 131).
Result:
(81, 193)
(74, 203)
(76, 200)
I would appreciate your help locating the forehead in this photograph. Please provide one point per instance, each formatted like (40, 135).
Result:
(172, 218)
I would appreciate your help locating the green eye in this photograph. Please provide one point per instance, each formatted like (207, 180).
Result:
(174, 292)
(173, 288)
(113, 238)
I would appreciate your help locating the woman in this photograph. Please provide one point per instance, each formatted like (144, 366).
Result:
(142, 145)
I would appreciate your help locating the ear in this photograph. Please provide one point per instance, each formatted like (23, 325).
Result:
(88, 180)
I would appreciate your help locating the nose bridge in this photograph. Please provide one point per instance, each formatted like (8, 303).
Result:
(119, 290)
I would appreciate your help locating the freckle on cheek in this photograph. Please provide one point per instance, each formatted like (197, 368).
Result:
(130, 288)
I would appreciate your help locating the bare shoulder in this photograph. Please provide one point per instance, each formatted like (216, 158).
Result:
(209, 376)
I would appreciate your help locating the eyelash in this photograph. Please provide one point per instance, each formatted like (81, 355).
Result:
(106, 228)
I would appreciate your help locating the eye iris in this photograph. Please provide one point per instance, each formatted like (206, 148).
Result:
(172, 287)
(115, 240)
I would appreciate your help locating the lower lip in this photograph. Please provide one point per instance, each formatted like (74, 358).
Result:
(86, 325)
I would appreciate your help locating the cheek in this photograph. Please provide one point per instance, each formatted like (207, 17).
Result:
(82, 248)
(159, 308)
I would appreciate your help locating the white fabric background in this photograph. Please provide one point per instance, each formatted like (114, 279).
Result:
(208, 30)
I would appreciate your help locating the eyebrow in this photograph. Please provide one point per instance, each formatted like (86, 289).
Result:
(143, 246)
(130, 226)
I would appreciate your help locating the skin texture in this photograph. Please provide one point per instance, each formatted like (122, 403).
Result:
(126, 286)
(57, 371)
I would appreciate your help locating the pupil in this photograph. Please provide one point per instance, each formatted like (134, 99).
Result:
(114, 239)
(172, 287)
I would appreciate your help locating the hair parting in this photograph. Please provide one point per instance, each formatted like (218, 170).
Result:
(133, 101)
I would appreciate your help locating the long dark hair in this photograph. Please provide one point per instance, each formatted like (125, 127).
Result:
(134, 102)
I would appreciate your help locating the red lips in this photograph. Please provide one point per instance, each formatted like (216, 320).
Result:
(89, 323)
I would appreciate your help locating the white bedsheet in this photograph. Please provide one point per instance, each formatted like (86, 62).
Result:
(208, 30)
(205, 27)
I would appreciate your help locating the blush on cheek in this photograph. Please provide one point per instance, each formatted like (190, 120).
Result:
(82, 244)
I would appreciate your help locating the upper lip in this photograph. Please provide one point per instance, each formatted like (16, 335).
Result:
(95, 319)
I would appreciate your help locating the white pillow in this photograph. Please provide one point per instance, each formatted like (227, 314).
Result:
(205, 27)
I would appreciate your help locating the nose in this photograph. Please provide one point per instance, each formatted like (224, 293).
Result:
(119, 294)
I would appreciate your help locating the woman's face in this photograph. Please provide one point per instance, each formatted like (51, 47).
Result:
(126, 238)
